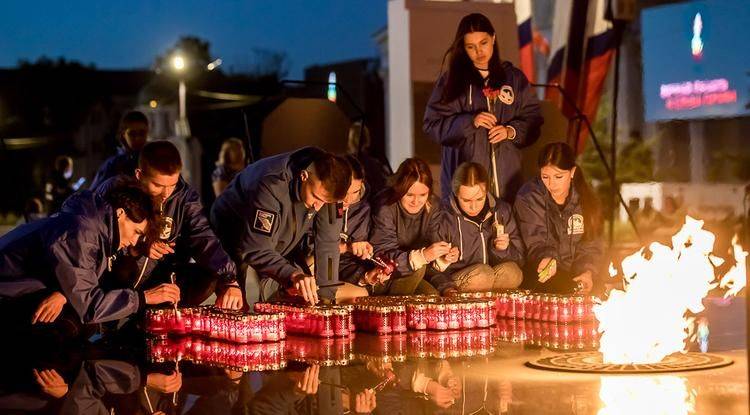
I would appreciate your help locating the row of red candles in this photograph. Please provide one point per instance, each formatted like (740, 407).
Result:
(384, 315)
(524, 304)
(320, 321)
(241, 357)
(216, 324)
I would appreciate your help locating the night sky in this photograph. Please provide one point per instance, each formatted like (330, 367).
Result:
(130, 34)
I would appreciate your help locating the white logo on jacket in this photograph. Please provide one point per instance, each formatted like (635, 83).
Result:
(575, 224)
(506, 95)
(264, 221)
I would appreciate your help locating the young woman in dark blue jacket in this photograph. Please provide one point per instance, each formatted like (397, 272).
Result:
(473, 125)
(403, 229)
(561, 225)
(484, 231)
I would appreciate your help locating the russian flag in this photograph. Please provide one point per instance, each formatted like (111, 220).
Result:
(525, 37)
(601, 42)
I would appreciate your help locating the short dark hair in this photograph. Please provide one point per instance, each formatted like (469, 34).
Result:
(128, 194)
(161, 156)
(358, 172)
(131, 117)
(333, 171)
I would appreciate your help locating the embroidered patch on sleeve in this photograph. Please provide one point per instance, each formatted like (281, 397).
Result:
(575, 224)
(263, 222)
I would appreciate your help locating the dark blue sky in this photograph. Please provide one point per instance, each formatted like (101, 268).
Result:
(130, 33)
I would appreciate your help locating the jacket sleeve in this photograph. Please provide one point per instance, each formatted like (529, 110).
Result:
(74, 260)
(327, 236)
(205, 247)
(258, 247)
(588, 256)
(446, 123)
(528, 118)
(516, 250)
(384, 240)
(532, 223)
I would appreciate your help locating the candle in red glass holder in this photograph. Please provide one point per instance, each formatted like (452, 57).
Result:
(454, 316)
(155, 322)
(483, 314)
(437, 318)
(468, 315)
(417, 316)
(554, 308)
(381, 321)
(398, 319)
(274, 328)
(565, 313)
(325, 323)
(502, 304)
(579, 308)
(340, 323)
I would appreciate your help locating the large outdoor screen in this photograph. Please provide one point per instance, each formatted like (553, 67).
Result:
(696, 60)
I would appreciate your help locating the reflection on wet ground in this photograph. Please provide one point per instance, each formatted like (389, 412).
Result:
(475, 372)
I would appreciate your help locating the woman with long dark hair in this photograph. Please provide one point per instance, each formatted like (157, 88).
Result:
(403, 229)
(561, 225)
(482, 109)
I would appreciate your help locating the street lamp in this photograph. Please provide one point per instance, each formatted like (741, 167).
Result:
(182, 128)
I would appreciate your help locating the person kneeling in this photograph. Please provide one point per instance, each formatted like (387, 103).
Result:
(486, 248)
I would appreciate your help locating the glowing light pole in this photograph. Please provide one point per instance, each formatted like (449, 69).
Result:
(182, 128)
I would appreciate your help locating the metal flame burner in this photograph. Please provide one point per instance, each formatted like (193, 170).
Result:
(591, 362)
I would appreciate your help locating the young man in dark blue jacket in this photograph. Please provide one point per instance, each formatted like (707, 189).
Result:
(132, 135)
(184, 234)
(267, 209)
(54, 266)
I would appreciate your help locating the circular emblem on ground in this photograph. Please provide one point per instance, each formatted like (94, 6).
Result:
(591, 362)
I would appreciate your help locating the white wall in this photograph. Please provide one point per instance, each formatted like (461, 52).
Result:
(400, 122)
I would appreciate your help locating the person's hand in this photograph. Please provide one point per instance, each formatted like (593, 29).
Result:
(452, 256)
(362, 250)
(308, 382)
(502, 242)
(164, 383)
(163, 293)
(552, 271)
(436, 250)
(497, 134)
(375, 276)
(364, 402)
(49, 309)
(586, 282)
(230, 299)
(51, 382)
(440, 395)
(307, 287)
(449, 292)
(159, 248)
(485, 119)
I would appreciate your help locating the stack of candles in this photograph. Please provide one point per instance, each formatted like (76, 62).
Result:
(216, 323)
(320, 320)
(384, 315)
(243, 358)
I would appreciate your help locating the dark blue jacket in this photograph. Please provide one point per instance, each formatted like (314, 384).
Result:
(549, 231)
(475, 240)
(191, 231)
(452, 126)
(387, 234)
(68, 252)
(356, 228)
(261, 219)
(124, 162)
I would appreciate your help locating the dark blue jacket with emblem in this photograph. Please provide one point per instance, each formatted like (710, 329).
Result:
(552, 231)
(68, 252)
(451, 125)
(191, 232)
(261, 219)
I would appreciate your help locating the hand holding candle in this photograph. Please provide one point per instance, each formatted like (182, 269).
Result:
(502, 239)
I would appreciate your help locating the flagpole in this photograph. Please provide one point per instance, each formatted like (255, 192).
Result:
(613, 150)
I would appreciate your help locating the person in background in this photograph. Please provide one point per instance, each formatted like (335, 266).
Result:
(561, 225)
(358, 145)
(484, 230)
(265, 213)
(185, 244)
(51, 269)
(132, 135)
(60, 184)
(403, 227)
(471, 126)
(231, 161)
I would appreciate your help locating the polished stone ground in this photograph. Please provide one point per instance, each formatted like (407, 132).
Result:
(482, 372)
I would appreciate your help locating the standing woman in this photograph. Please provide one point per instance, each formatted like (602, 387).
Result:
(403, 227)
(561, 225)
(482, 109)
